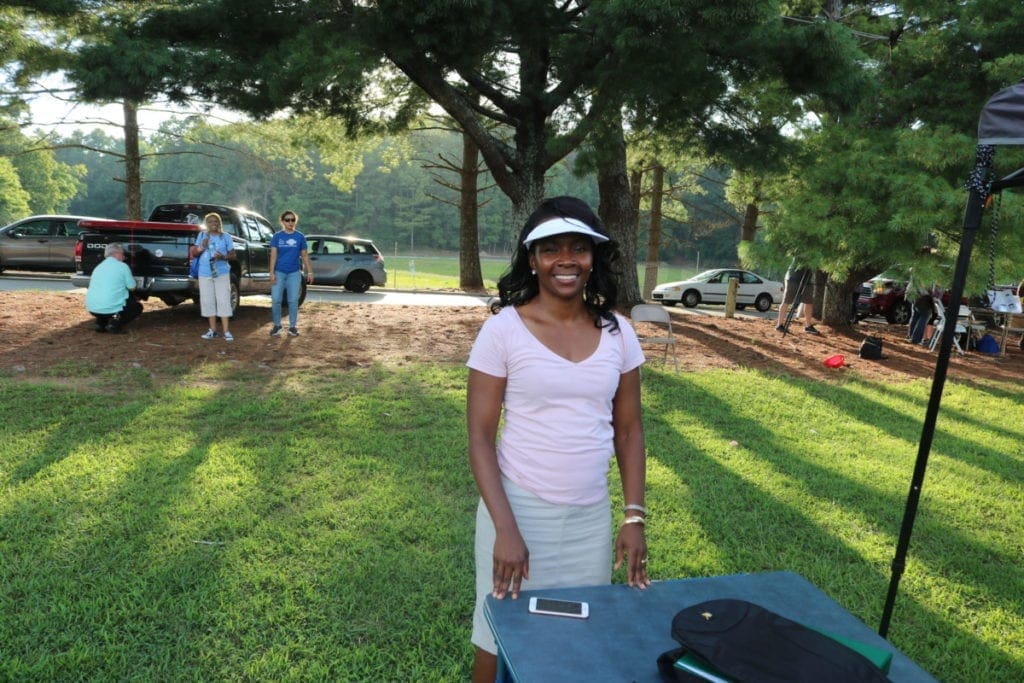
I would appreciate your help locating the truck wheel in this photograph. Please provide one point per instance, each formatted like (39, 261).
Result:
(763, 302)
(358, 282)
(898, 314)
(236, 297)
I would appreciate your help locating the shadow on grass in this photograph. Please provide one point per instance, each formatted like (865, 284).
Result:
(288, 529)
(749, 528)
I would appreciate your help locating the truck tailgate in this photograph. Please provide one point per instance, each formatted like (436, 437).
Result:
(148, 253)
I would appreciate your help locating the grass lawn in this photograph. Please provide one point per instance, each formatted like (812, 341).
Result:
(274, 528)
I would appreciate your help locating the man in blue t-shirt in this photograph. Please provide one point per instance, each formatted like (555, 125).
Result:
(287, 250)
(109, 297)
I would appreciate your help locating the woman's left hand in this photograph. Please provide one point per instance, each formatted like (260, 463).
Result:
(631, 546)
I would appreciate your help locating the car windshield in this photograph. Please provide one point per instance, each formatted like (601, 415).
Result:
(705, 276)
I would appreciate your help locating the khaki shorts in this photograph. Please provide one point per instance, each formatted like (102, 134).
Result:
(215, 296)
(793, 284)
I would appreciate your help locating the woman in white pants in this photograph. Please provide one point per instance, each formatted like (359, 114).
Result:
(214, 249)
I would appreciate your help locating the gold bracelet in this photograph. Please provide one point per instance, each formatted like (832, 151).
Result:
(634, 519)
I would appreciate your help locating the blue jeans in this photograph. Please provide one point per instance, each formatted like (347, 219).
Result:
(918, 321)
(292, 284)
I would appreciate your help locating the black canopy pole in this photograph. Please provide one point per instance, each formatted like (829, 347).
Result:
(972, 221)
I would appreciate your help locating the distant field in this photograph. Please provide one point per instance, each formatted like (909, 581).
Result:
(442, 272)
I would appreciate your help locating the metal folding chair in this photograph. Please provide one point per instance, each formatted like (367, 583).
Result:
(658, 314)
(940, 325)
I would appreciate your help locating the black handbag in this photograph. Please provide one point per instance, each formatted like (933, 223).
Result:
(746, 642)
(871, 348)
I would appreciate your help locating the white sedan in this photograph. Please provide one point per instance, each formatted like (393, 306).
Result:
(711, 286)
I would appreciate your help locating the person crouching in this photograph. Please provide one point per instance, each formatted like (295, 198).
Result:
(110, 295)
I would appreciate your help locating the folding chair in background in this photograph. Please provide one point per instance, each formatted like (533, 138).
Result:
(658, 314)
(940, 325)
(975, 328)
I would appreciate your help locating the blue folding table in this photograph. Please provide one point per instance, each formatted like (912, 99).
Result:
(628, 628)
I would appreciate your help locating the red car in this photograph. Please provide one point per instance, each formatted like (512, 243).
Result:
(886, 297)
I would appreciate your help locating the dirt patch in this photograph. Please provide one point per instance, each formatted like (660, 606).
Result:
(45, 332)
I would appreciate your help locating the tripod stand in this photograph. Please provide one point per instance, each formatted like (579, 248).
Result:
(797, 296)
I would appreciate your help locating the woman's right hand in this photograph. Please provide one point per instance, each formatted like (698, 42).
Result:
(511, 564)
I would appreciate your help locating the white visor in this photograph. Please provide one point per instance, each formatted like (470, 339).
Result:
(560, 226)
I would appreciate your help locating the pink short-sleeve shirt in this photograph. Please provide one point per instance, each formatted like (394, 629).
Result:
(556, 439)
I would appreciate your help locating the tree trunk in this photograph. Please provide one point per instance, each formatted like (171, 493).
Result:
(528, 180)
(838, 310)
(821, 282)
(636, 183)
(654, 232)
(132, 163)
(470, 275)
(749, 227)
(616, 205)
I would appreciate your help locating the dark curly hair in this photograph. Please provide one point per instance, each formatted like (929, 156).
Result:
(518, 285)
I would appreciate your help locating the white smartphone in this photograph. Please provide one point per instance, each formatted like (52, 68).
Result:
(560, 608)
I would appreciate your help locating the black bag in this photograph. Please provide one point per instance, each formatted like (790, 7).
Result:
(746, 642)
(871, 348)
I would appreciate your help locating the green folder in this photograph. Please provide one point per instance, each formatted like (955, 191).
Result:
(878, 656)
(692, 665)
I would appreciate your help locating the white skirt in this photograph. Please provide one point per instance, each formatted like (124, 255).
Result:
(570, 545)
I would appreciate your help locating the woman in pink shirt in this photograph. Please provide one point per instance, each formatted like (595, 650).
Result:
(564, 369)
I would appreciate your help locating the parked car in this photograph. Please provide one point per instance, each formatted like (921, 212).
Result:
(40, 243)
(711, 286)
(351, 262)
(884, 296)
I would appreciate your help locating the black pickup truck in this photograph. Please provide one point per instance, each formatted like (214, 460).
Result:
(157, 251)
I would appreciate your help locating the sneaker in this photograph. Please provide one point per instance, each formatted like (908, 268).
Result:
(210, 334)
(810, 330)
(114, 328)
(275, 330)
(100, 327)
(780, 328)
(229, 337)
(293, 332)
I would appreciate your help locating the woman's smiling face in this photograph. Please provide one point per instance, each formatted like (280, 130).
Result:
(563, 263)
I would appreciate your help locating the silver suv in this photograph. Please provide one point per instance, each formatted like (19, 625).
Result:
(353, 263)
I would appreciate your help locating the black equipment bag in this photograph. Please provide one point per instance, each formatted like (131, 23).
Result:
(871, 348)
(746, 642)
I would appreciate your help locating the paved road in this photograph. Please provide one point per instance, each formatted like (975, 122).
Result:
(61, 283)
(43, 282)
